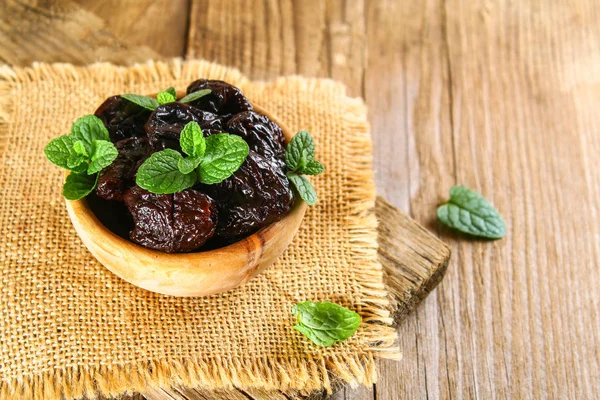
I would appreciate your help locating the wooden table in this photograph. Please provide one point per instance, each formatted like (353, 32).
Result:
(501, 96)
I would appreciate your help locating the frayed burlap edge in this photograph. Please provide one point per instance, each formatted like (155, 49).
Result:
(225, 373)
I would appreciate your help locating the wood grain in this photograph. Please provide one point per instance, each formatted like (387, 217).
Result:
(160, 25)
(501, 96)
(60, 31)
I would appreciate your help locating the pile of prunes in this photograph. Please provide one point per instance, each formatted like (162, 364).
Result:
(204, 216)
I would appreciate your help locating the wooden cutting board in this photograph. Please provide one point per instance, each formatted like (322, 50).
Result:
(414, 261)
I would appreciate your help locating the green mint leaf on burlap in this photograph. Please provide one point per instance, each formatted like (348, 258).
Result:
(299, 151)
(165, 97)
(223, 156)
(103, 154)
(195, 96)
(142, 101)
(77, 186)
(79, 148)
(59, 150)
(159, 174)
(325, 323)
(468, 212)
(192, 140)
(172, 92)
(87, 129)
(313, 167)
(189, 164)
(304, 188)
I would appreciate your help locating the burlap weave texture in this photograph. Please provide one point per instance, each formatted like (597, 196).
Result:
(69, 327)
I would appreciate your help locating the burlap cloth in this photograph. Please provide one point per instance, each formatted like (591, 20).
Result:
(69, 327)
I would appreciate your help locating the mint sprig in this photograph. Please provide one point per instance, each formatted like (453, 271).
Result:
(160, 174)
(325, 323)
(166, 96)
(209, 160)
(300, 159)
(195, 96)
(469, 212)
(85, 152)
(147, 102)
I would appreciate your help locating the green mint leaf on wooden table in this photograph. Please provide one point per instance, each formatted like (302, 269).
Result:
(299, 151)
(165, 97)
(159, 174)
(469, 212)
(194, 96)
(172, 92)
(192, 140)
(77, 186)
(189, 164)
(142, 101)
(103, 154)
(313, 167)
(325, 323)
(304, 188)
(223, 156)
(59, 150)
(87, 129)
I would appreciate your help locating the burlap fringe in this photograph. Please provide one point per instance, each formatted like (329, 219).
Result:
(268, 374)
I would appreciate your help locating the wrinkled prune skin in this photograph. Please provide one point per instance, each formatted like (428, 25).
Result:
(224, 99)
(263, 136)
(166, 123)
(115, 179)
(122, 118)
(256, 195)
(173, 223)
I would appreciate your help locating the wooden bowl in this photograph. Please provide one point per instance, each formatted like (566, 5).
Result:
(187, 274)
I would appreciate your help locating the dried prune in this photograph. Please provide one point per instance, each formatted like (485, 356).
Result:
(263, 136)
(115, 179)
(179, 222)
(224, 99)
(122, 118)
(166, 123)
(256, 195)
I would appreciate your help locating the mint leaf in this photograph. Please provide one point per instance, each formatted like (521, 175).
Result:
(79, 148)
(103, 154)
(77, 162)
(165, 97)
(87, 129)
(187, 165)
(159, 174)
(59, 150)
(195, 96)
(469, 212)
(142, 101)
(192, 140)
(325, 323)
(304, 188)
(77, 186)
(313, 167)
(299, 151)
(172, 92)
(223, 156)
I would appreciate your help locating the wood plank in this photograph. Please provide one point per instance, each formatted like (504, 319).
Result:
(408, 94)
(272, 38)
(160, 25)
(525, 133)
(60, 31)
